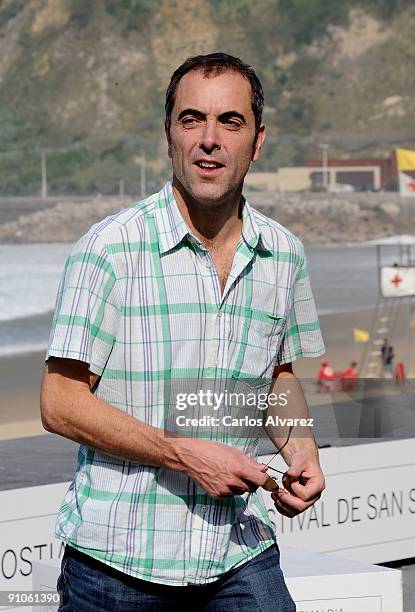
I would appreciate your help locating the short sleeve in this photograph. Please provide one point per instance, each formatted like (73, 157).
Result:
(302, 335)
(87, 307)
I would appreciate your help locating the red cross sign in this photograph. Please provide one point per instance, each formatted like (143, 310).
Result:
(396, 280)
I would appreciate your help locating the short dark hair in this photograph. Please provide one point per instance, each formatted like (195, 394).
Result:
(216, 63)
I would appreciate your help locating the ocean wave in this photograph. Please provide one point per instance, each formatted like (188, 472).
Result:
(22, 335)
(28, 313)
(354, 308)
(26, 347)
(29, 279)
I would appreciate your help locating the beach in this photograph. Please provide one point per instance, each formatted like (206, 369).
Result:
(20, 376)
(21, 373)
(19, 395)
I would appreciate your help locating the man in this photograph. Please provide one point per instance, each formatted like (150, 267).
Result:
(190, 283)
(348, 378)
(326, 377)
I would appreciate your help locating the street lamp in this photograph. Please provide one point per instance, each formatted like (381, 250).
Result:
(324, 154)
(140, 159)
(44, 188)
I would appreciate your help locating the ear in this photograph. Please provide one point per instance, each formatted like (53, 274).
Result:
(167, 133)
(258, 143)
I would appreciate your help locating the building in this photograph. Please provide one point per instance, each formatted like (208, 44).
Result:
(370, 173)
(358, 174)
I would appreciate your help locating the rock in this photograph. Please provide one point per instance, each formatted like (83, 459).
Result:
(313, 217)
(390, 209)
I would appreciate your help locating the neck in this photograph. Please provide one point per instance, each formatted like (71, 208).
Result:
(213, 223)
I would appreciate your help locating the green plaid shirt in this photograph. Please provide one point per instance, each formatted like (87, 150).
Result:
(140, 302)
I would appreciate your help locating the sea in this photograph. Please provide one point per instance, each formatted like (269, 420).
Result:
(344, 278)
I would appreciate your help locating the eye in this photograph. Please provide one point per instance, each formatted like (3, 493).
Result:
(189, 121)
(232, 123)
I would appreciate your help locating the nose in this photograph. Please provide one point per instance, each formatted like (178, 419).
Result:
(210, 138)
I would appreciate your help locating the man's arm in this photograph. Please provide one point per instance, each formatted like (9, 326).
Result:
(69, 408)
(300, 453)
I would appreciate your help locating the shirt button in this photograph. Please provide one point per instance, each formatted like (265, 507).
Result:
(204, 509)
(208, 263)
(220, 313)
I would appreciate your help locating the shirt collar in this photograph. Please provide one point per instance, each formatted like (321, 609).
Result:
(251, 233)
(172, 228)
(170, 223)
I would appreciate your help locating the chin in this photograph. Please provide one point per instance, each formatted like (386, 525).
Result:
(210, 194)
(208, 197)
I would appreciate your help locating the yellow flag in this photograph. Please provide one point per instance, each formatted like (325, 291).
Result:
(405, 159)
(360, 335)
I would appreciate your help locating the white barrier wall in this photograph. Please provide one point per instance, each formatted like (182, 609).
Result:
(367, 511)
(27, 525)
(323, 583)
(317, 583)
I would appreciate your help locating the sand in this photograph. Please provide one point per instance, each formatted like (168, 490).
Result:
(20, 377)
(21, 374)
(337, 330)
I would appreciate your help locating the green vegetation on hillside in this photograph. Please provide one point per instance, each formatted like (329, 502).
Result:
(86, 83)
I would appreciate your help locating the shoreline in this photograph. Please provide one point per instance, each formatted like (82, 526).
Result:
(21, 373)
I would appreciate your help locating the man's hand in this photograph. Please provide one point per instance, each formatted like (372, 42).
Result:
(221, 470)
(299, 451)
(305, 469)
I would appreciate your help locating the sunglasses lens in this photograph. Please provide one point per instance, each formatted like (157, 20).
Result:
(271, 485)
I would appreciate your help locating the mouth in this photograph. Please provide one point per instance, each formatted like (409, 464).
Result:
(209, 166)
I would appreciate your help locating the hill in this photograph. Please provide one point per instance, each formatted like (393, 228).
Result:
(85, 81)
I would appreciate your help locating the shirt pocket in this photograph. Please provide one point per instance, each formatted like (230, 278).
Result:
(262, 334)
(267, 326)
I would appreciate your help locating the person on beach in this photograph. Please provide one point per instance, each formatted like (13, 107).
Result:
(387, 357)
(384, 350)
(326, 377)
(190, 283)
(399, 373)
(348, 378)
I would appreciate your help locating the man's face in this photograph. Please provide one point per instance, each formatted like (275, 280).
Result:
(212, 134)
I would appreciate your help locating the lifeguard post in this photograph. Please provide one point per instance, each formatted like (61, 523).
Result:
(395, 257)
